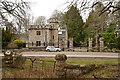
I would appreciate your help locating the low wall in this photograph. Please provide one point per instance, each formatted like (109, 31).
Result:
(64, 70)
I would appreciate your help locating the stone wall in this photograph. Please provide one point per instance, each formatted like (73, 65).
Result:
(64, 70)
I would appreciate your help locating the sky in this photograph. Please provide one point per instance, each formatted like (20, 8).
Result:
(46, 7)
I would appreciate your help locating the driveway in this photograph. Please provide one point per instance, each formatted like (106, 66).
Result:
(72, 54)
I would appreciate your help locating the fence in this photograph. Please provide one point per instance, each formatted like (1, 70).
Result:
(33, 60)
(34, 67)
(111, 47)
(30, 45)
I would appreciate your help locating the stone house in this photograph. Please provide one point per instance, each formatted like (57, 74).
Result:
(41, 36)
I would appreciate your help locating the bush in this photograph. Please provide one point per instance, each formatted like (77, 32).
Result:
(105, 47)
(94, 47)
(19, 43)
(12, 45)
(19, 61)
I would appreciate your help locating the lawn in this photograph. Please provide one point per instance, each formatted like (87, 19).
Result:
(91, 61)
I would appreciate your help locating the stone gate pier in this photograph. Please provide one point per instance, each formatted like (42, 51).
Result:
(64, 70)
(90, 44)
(101, 44)
(60, 63)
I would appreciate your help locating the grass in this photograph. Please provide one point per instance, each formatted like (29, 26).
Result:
(83, 61)
(110, 71)
(46, 69)
(92, 61)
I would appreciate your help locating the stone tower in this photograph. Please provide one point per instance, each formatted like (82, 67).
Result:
(53, 22)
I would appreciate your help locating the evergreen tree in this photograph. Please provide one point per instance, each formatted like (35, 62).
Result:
(74, 24)
(6, 37)
(95, 24)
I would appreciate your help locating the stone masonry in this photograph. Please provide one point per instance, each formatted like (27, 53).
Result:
(101, 44)
(90, 44)
(71, 43)
(60, 63)
(64, 70)
(41, 36)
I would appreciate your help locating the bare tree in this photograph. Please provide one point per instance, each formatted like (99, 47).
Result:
(60, 16)
(41, 20)
(56, 14)
(13, 14)
(85, 5)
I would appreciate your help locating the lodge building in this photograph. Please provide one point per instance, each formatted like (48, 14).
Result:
(41, 36)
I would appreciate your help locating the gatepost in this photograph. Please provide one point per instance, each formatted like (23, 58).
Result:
(8, 57)
(101, 44)
(71, 43)
(90, 44)
(60, 63)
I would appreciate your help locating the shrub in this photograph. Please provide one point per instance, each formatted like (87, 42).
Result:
(94, 47)
(114, 49)
(12, 45)
(19, 61)
(105, 47)
(19, 43)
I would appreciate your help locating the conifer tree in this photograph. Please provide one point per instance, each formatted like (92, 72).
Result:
(74, 24)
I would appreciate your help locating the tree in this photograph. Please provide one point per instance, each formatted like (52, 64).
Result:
(60, 16)
(13, 14)
(6, 37)
(56, 14)
(41, 20)
(118, 19)
(95, 24)
(74, 24)
(85, 5)
(109, 35)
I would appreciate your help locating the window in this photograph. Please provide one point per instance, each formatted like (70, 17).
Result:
(53, 44)
(38, 26)
(44, 43)
(53, 36)
(38, 32)
(32, 43)
(38, 43)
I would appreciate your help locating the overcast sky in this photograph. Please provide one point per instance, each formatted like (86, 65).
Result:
(46, 7)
